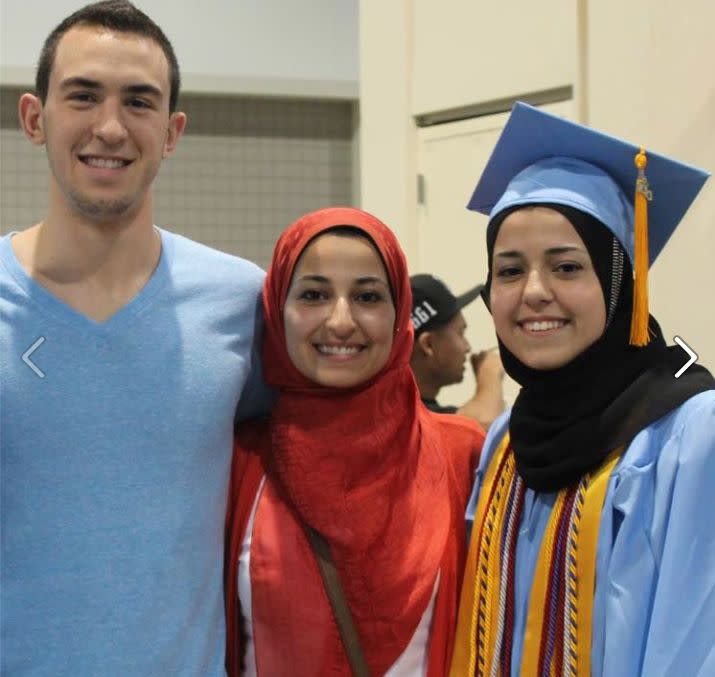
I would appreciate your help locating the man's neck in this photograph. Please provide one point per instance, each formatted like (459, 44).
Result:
(96, 268)
(428, 391)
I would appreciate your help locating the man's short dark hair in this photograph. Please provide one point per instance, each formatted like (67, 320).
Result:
(116, 15)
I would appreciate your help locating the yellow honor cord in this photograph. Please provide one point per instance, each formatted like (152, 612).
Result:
(464, 656)
(480, 590)
(538, 602)
(588, 543)
(639, 318)
(586, 576)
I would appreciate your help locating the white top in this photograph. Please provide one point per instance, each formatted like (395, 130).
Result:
(412, 662)
(244, 588)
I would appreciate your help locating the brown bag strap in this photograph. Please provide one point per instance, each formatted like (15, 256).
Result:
(338, 603)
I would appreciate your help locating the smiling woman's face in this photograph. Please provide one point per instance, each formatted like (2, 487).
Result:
(546, 299)
(339, 316)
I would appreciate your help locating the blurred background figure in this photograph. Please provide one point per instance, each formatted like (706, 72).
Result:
(441, 348)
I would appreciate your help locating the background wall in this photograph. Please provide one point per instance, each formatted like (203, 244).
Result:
(639, 71)
(470, 52)
(388, 132)
(648, 78)
(225, 46)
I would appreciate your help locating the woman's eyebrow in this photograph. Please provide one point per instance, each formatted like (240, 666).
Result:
(371, 279)
(565, 249)
(368, 279)
(510, 254)
(313, 278)
(561, 249)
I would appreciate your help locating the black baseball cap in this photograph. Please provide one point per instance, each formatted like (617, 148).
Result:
(433, 304)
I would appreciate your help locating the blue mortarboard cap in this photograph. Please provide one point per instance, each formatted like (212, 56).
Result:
(540, 157)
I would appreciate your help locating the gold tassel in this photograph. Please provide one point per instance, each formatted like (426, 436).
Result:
(639, 318)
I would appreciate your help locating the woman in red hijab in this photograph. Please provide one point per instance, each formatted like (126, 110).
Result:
(349, 450)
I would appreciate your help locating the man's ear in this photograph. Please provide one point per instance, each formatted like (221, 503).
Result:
(30, 112)
(425, 341)
(177, 124)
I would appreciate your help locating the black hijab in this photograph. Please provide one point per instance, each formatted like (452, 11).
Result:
(566, 421)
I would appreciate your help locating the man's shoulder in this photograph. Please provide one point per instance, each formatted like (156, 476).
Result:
(213, 263)
(5, 251)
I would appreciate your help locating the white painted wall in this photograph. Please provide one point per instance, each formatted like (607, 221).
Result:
(268, 47)
(470, 51)
(649, 79)
(388, 134)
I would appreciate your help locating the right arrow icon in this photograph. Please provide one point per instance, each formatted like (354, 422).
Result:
(691, 353)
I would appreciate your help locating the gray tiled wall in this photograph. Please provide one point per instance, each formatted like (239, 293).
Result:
(245, 169)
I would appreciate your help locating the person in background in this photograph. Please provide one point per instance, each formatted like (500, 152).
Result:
(441, 349)
(351, 457)
(592, 546)
(125, 352)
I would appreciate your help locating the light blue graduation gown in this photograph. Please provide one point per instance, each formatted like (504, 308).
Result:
(654, 606)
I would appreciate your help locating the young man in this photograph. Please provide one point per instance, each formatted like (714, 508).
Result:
(126, 351)
(441, 349)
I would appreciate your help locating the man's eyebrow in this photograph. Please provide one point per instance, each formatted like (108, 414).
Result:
(143, 89)
(88, 83)
(79, 82)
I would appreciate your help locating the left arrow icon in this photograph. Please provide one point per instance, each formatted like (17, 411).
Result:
(26, 357)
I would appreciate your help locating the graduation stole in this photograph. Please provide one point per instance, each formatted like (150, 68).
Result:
(557, 640)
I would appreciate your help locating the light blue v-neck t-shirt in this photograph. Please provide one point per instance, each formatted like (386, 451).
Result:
(116, 442)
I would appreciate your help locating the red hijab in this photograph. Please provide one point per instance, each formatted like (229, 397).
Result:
(278, 368)
(361, 465)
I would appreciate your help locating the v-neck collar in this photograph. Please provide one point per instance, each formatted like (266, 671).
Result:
(64, 313)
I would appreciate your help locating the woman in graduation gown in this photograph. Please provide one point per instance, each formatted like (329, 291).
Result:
(592, 548)
(350, 452)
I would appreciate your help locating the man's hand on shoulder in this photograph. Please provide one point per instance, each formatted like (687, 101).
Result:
(488, 399)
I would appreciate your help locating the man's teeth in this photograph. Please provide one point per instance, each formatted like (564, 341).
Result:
(104, 163)
(544, 326)
(338, 350)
